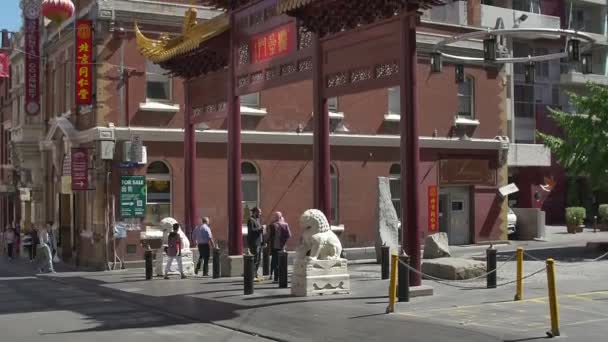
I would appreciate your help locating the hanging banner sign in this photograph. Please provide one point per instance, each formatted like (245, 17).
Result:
(4, 65)
(84, 57)
(278, 42)
(433, 209)
(80, 169)
(32, 58)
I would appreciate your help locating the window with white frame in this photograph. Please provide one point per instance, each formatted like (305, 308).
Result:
(158, 83)
(158, 186)
(332, 104)
(334, 218)
(250, 187)
(394, 101)
(524, 100)
(466, 97)
(250, 100)
(394, 179)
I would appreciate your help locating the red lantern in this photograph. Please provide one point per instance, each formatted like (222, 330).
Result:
(57, 10)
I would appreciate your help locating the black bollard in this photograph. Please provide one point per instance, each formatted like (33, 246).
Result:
(385, 260)
(283, 269)
(266, 261)
(403, 278)
(148, 260)
(248, 274)
(491, 267)
(216, 263)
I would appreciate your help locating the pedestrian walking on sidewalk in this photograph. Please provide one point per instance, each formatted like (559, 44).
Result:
(204, 240)
(278, 234)
(28, 244)
(9, 238)
(255, 237)
(174, 252)
(44, 252)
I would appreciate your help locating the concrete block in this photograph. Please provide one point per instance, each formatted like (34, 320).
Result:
(231, 265)
(453, 268)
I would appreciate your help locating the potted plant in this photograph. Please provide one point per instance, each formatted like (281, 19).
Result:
(575, 217)
(603, 217)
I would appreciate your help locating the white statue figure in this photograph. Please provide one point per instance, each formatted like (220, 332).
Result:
(318, 268)
(317, 238)
(166, 225)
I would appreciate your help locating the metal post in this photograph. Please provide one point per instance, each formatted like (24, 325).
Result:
(491, 267)
(235, 213)
(216, 263)
(283, 269)
(248, 273)
(403, 289)
(148, 260)
(321, 157)
(409, 142)
(553, 305)
(265, 261)
(190, 167)
(519, 295)
(595, 224)
(385, 259)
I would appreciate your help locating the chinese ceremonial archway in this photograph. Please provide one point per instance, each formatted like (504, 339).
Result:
(57, 10)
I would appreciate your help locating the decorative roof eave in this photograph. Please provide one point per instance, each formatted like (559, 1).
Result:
(225, 4)
(192, 37)
(332, 16)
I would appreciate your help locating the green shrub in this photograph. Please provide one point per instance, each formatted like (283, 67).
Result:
(603, 213)
(575, 215)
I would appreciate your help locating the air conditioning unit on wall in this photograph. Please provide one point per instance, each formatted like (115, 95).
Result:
(128, 153)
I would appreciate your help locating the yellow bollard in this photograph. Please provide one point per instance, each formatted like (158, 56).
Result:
(552, 298)
(519, 295)
(392, 288)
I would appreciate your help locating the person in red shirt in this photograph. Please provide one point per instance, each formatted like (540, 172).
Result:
(174, 252)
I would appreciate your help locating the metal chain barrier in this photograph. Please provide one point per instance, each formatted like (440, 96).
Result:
(448, 282)
(574, 264)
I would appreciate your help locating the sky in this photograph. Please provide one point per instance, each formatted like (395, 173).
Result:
(10, 16)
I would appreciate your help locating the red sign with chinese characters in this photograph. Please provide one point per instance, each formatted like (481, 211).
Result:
(84, 56)
(80, 169)
(4, 65)
(32, 66)
(433, 209)
(278, 42)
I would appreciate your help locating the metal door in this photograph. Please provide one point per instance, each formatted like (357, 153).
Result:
(444, 214)
(459, 232)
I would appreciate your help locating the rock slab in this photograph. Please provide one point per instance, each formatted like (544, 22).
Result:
(436, 246)
(453, 268)
(388, 222)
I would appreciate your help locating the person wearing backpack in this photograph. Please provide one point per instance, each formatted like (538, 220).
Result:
(174, 252)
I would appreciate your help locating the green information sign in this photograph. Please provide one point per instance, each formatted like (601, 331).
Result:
(132, 196)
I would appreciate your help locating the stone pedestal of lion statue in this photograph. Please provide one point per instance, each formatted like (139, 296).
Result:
(318, 268)
(166, 225)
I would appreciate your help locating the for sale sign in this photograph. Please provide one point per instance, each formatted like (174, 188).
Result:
(133, 195)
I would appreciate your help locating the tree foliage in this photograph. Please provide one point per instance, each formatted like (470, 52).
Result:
(583, 148)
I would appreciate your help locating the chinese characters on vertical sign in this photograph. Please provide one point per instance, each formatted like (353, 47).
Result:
(84, 56)
(278, 42)
(433, 209)
(32, 65)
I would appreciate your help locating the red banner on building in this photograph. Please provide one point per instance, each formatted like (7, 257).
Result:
(433, 209)
(80, 169)
(4, 65)
(84, 58)
(32, 65)
(280, 41)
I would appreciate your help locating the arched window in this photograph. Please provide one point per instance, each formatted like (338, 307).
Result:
(466, 97)
(334, 219)
(158, 185)
(250, 185)
(394, 179)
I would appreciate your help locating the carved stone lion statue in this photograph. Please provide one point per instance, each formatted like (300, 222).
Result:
(166, 225)
(318, 241)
